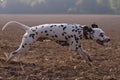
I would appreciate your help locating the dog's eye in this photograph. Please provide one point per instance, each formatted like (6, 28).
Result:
(101, 34)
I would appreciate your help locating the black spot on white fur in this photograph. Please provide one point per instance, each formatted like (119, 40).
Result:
(45, 31)
(25, 43)
(32, 35)
(51, 26)
(64, 28)
(47, 34)
(56, 36)
(36, 33)
(23, 46)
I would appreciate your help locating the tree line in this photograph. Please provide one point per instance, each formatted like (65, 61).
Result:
(61, 6)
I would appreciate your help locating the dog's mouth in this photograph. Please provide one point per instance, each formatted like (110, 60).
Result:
(100, 42)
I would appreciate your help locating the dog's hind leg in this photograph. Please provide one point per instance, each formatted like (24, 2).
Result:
(27, 41)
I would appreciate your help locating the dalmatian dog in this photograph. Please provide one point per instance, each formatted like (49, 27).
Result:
(63, 34)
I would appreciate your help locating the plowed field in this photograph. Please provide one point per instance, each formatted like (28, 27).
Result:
(50, 61)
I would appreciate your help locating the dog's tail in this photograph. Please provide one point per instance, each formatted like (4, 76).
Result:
(25, 27)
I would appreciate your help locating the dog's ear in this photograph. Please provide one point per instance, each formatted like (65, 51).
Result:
(87, 29)
(94, 26)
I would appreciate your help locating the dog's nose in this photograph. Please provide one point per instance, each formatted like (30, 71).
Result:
(108, 40)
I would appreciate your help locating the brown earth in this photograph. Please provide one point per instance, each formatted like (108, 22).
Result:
(50, 61)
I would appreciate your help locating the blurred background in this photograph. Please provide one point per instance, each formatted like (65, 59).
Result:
(60, 6)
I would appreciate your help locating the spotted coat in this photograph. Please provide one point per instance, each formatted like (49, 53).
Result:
(63, 34)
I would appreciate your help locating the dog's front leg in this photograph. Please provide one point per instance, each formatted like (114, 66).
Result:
(76, 46)
(27, 41)
(84, 54)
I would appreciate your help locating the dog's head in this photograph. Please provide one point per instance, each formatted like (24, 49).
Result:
(97, 34)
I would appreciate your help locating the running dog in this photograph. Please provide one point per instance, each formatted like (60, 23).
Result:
(63, 34)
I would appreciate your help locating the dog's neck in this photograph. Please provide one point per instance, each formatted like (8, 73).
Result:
(86, 35)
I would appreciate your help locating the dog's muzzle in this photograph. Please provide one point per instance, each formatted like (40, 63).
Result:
(101, 42)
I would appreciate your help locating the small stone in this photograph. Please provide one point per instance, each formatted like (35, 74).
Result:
(75, 67)
(1, 78)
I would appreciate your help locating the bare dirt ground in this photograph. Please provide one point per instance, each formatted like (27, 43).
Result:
(50, 61)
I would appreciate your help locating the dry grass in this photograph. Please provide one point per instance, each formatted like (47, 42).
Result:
(49, 61)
